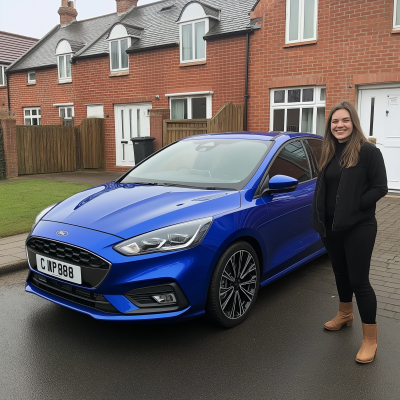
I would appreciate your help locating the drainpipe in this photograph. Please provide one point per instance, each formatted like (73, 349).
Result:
(246, 85)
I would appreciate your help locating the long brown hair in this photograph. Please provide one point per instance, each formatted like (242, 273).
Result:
(351, 152)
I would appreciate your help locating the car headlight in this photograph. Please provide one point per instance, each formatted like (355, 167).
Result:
(175, 237)
(42, 214)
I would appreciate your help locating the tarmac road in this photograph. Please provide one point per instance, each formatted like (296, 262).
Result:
(280, 352)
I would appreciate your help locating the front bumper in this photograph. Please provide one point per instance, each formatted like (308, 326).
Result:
(123, 294)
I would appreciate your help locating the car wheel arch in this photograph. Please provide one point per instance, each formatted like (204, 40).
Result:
(243, 237)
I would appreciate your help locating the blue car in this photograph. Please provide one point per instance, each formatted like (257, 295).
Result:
(195, 228)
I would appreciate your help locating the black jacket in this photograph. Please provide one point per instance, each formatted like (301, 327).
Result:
(359, 189)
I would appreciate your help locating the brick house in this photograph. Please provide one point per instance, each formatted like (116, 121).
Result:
(12, 47)
(176, 59)
(310, 54)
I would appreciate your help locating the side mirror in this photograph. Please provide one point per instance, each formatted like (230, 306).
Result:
(280, 184)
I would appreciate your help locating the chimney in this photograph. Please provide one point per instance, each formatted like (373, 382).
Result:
(67, 12)
(123, 5)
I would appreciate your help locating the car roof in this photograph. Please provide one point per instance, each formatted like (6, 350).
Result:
(253, 135)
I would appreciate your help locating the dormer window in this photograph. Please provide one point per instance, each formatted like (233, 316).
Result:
(120, 40)
(64, 56)
(194, 23)
(193, 46)
(119, 57)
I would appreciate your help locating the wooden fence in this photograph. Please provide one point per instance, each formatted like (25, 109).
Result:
(55, 148)
(93, 143)
(228, 119)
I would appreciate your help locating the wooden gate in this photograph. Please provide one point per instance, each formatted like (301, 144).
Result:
(228, 119)
(44, 149)
(54, 148)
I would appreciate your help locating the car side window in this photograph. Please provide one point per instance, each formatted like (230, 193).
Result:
(311, 157)
(291, 161)
(316, 148)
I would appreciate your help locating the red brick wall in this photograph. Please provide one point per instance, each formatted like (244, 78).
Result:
(151, 73)
(355, 46)
(46, 92)
(123, 5)
(3, 100)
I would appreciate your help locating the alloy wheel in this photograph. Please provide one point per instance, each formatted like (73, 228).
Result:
(238, 284)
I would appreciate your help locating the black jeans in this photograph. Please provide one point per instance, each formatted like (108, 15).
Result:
(350, 253)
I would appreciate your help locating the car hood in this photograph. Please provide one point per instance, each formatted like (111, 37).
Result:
(127, 210)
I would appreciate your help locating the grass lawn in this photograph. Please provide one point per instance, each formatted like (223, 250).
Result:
(20, 202)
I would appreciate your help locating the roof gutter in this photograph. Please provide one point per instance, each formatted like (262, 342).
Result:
(161, 46)
(32, 68)
(218, 35)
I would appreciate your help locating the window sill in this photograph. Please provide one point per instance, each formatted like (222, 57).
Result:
(192, 64)
(395, 30)
(300, 44)
(64, 82)
(120, 73)
(31, 84)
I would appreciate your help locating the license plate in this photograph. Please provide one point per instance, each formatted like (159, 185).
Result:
(59, 269)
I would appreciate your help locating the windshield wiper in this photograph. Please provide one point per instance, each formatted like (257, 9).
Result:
(218, 188)
(147, 183)
(180, 185)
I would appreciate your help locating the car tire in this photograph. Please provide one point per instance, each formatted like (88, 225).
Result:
(232, 291)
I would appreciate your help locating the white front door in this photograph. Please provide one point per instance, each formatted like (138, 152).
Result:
(131, 120)
(380, 119)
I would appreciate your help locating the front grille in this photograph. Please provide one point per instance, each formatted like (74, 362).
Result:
(66, 252)
(69, 292)
(93, 268)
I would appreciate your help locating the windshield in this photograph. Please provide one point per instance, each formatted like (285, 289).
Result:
(203, 163)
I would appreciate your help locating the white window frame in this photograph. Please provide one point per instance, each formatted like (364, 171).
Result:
(3, 75)
(119, 53)
(396, 4)
(192, 23)
(66, 79)
(38, 115)
(29, 79)
(301, 23)
(189, 97)
(315, 104)
(65, 112)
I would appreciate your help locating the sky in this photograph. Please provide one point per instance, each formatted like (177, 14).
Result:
(34, 18)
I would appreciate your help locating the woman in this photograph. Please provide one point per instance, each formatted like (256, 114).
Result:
(351, 179)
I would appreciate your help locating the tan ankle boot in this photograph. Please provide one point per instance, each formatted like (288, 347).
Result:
(369, 344)
(344, 317)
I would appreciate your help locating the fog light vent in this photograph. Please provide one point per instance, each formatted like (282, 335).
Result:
(165, 298)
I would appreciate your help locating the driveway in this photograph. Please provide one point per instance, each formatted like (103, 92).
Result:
(280, 352)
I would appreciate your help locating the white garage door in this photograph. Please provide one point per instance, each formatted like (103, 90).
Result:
(380, 119)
